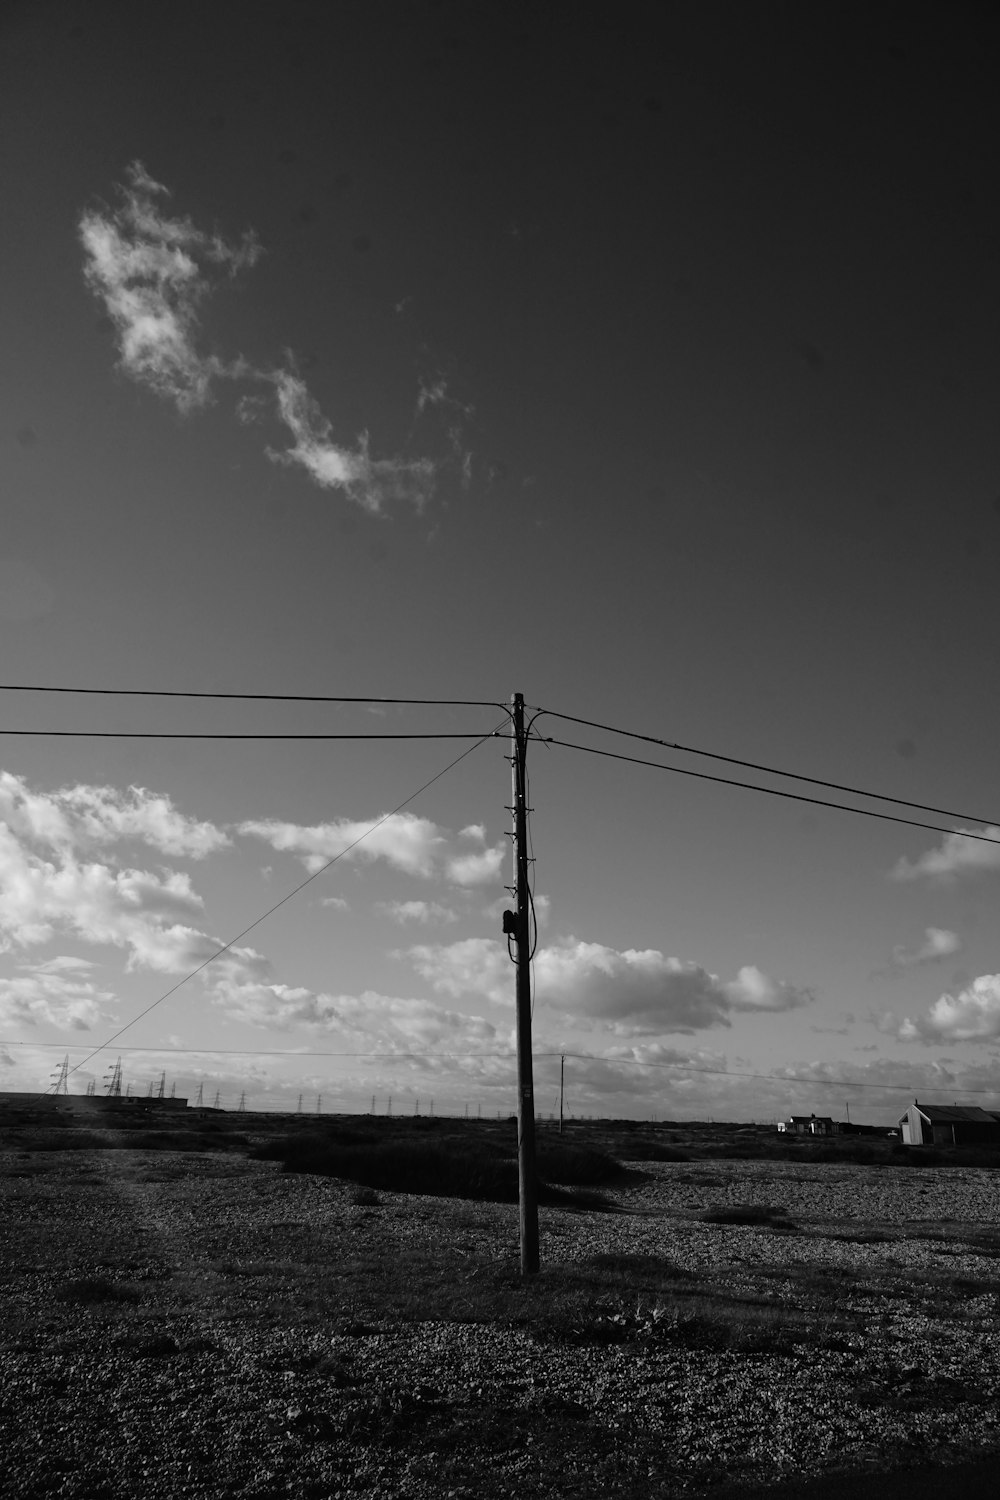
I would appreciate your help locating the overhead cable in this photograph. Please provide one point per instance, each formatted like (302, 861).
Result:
(152, 734)
(24, 687)
(750, 765)
(770, 791)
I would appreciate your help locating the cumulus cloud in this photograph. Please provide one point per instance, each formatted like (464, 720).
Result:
(57, 993)
(956, 855)
(472, 967)
(752, 990)
(938, 943)
(479, 868)
(630, 991)
(152, 272)
(971, 1015)
(143, 912)
(370, 482)
(81, 817)
(52, 883)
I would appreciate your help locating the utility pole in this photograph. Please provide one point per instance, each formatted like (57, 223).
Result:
(516, 926)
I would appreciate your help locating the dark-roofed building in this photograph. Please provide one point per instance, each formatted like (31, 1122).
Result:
(808, 1125)
(949, 1125)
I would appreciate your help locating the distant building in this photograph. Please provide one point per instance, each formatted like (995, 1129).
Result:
(808, 1125)
(949, 1125)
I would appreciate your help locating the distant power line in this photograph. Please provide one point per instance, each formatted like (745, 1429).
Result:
(511, 1057)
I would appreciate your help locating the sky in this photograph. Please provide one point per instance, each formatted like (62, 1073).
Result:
(642, 360)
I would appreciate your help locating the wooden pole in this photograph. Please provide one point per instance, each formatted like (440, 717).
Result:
(527, 1181)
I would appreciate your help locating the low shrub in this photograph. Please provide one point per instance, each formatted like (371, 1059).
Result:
(87, 1290)
(477, 1171)
(745, 1213)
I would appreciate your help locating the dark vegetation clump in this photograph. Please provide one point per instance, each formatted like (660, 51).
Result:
(746, 1213)
(453, 1167)
(84, 1291)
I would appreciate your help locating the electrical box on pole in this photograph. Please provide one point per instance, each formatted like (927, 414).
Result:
(516, 926)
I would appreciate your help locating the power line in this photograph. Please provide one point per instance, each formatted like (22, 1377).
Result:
(225, 947)
(143, 734)
(771, 791)
(840, 1083)
(21, 687)
(750, 765)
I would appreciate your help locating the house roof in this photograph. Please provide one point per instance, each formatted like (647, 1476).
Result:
(947, 1114)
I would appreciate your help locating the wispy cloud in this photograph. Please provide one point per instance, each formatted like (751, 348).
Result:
(370, 482)
(57, 993)
(422, 912)
(956, 855)
(416, 846)
(152, 272)
(938, 943)
(403, 840)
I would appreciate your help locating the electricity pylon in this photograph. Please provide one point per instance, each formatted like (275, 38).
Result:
(114, 1079)
(62, 1080)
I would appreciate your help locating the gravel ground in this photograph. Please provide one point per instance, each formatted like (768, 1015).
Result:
(176, 1382)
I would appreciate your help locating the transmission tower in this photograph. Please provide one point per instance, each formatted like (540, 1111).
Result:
(319, 1104)
(91, 1088)
(299, 1110)
(62, 1077)
(241, 1108)
(163, 1080)
(215, 1101)
(201, 1093)
(114, 1081)
(173, 1091)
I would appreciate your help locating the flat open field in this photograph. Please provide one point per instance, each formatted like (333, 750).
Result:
(195, 1323)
